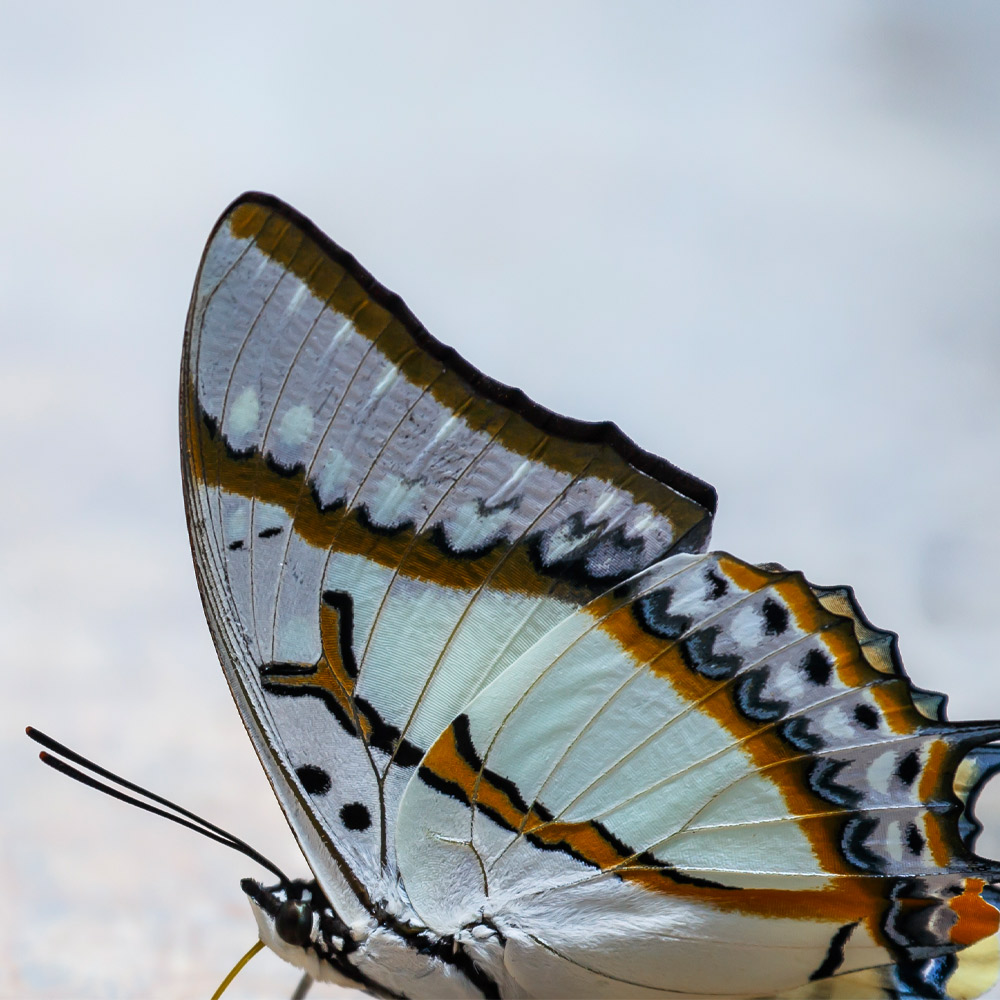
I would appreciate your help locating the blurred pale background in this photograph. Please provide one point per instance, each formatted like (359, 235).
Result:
(762, 237)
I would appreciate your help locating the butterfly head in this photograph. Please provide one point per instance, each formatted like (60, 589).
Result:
(296, 920)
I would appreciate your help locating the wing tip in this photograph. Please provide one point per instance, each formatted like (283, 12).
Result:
(603, 432)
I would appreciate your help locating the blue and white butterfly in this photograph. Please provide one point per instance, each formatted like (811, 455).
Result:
(532, 738)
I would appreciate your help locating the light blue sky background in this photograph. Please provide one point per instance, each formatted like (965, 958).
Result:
(762, 237)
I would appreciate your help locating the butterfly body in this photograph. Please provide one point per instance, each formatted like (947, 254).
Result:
(533, 738)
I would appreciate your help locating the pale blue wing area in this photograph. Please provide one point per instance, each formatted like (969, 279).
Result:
(706, 759)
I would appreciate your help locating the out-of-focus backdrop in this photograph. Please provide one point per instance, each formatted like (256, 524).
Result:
(762, 237)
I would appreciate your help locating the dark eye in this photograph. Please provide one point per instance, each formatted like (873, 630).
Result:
(294, 922)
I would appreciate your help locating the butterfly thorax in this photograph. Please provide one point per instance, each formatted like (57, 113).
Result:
(379, 955)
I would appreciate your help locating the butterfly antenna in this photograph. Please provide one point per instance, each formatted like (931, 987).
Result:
(179, 815)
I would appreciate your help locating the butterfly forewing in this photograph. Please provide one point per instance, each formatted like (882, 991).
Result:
(380, 530)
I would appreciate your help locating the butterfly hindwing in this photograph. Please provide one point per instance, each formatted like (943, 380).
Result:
(708, 755)
(379, 530)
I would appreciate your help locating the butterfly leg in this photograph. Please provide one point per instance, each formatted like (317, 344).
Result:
(303, 988)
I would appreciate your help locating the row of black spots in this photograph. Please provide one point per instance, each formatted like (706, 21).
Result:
(280, 689)
(751, 700)
(316, 781)
(342, 602)
(822, 778)
(240, 543)
(388, 738)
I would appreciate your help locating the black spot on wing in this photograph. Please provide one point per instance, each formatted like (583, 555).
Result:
(817, 667)
(269, 532)
(914, 839)
(866, 716)
(908, 768)
(355, 816)
(314, 779)
(775, 617)
(238, 544)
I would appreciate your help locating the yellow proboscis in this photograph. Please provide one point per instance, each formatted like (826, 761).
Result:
(236, 969)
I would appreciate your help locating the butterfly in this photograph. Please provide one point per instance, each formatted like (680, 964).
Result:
(533, 737)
